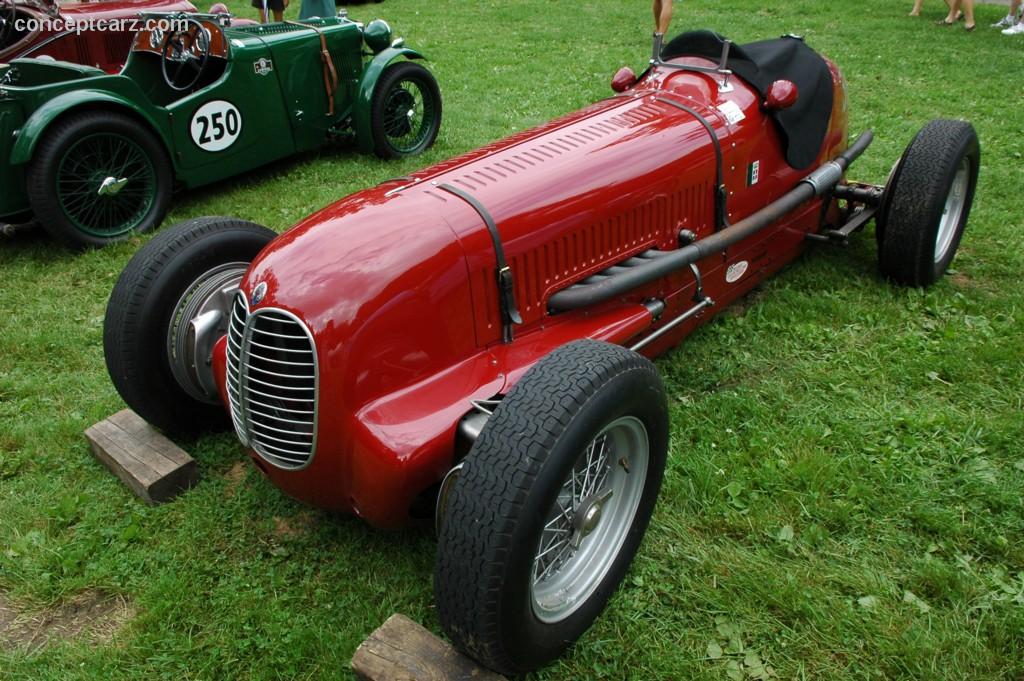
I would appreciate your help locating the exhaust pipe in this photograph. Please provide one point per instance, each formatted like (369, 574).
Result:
(9, 229)
(663, 263)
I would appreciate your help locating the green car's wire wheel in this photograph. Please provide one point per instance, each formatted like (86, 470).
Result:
(105, 185)
(98, 177)
(406, 111)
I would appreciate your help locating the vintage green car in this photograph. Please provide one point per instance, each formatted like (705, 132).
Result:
(95, 157)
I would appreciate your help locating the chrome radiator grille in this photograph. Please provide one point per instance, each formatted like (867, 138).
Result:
(272, 384)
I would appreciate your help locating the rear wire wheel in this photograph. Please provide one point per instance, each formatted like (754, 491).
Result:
(406, 111)
(98, 177)
(927, 202)
(550, 505)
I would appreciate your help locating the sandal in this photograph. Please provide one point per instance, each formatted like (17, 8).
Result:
(943, 22)
(970, 28)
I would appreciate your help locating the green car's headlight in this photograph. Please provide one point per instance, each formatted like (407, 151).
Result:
(377, 35)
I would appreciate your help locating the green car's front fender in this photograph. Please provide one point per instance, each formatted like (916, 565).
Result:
(41, 118)
(364, 99)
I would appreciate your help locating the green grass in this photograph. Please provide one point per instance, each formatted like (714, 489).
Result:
(844, 495)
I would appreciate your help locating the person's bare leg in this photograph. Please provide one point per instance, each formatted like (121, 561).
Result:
(662, 15)
(916, 12)
(278, 15)
(954, 7)
(968, 6)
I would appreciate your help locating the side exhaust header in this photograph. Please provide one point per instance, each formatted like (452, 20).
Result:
(663, 263)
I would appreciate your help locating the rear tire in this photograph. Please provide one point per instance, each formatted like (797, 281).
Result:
(927, 203)
(81, 153)
(201, 258)
(531, 545)
(406, 111)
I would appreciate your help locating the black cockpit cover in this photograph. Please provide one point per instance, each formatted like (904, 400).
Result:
(803, 126)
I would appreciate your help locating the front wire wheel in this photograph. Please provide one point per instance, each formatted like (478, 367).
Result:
(406, 111)
(168, 309)
(550, 505)
(199, 319)
(590, 519)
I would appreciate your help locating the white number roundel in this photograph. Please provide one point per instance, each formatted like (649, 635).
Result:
(216, 125)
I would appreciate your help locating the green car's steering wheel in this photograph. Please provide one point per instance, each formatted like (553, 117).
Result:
(185, 56)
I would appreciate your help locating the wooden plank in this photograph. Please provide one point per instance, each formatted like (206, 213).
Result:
(137, 459)
(161, 452)
(402, 650)
(155, 468)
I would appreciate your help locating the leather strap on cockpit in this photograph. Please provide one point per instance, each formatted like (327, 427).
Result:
(721, 217)
(330, 73)
(506, 287)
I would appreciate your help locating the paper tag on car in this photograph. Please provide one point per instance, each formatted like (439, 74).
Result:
(732, 112)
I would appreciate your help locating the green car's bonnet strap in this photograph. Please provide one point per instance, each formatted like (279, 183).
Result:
(506, 288)
(330, 73)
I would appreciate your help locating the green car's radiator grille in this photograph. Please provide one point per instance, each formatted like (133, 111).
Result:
(274, 29)
(272, 384)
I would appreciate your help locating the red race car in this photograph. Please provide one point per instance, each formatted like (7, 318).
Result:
(476, 338)
(97, 33)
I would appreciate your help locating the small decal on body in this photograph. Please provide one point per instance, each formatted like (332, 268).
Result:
(258, 293)
(732, 112)
(736, 271)
(263, 66)
(753, 173)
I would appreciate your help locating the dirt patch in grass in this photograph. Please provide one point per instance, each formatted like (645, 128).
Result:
(293, 527)
(968, 281)
(94, 615)
(236, 475)
(961, 279)
(739, 307)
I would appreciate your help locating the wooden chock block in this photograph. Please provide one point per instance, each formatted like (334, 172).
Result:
(154, 468)
(402, 650)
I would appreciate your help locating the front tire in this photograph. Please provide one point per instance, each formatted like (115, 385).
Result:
(551, 505)
(405, 112)
(98, 177)
(157, 358)
(927, 203)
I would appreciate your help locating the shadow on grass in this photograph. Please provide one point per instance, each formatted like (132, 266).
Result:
(185, 199)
